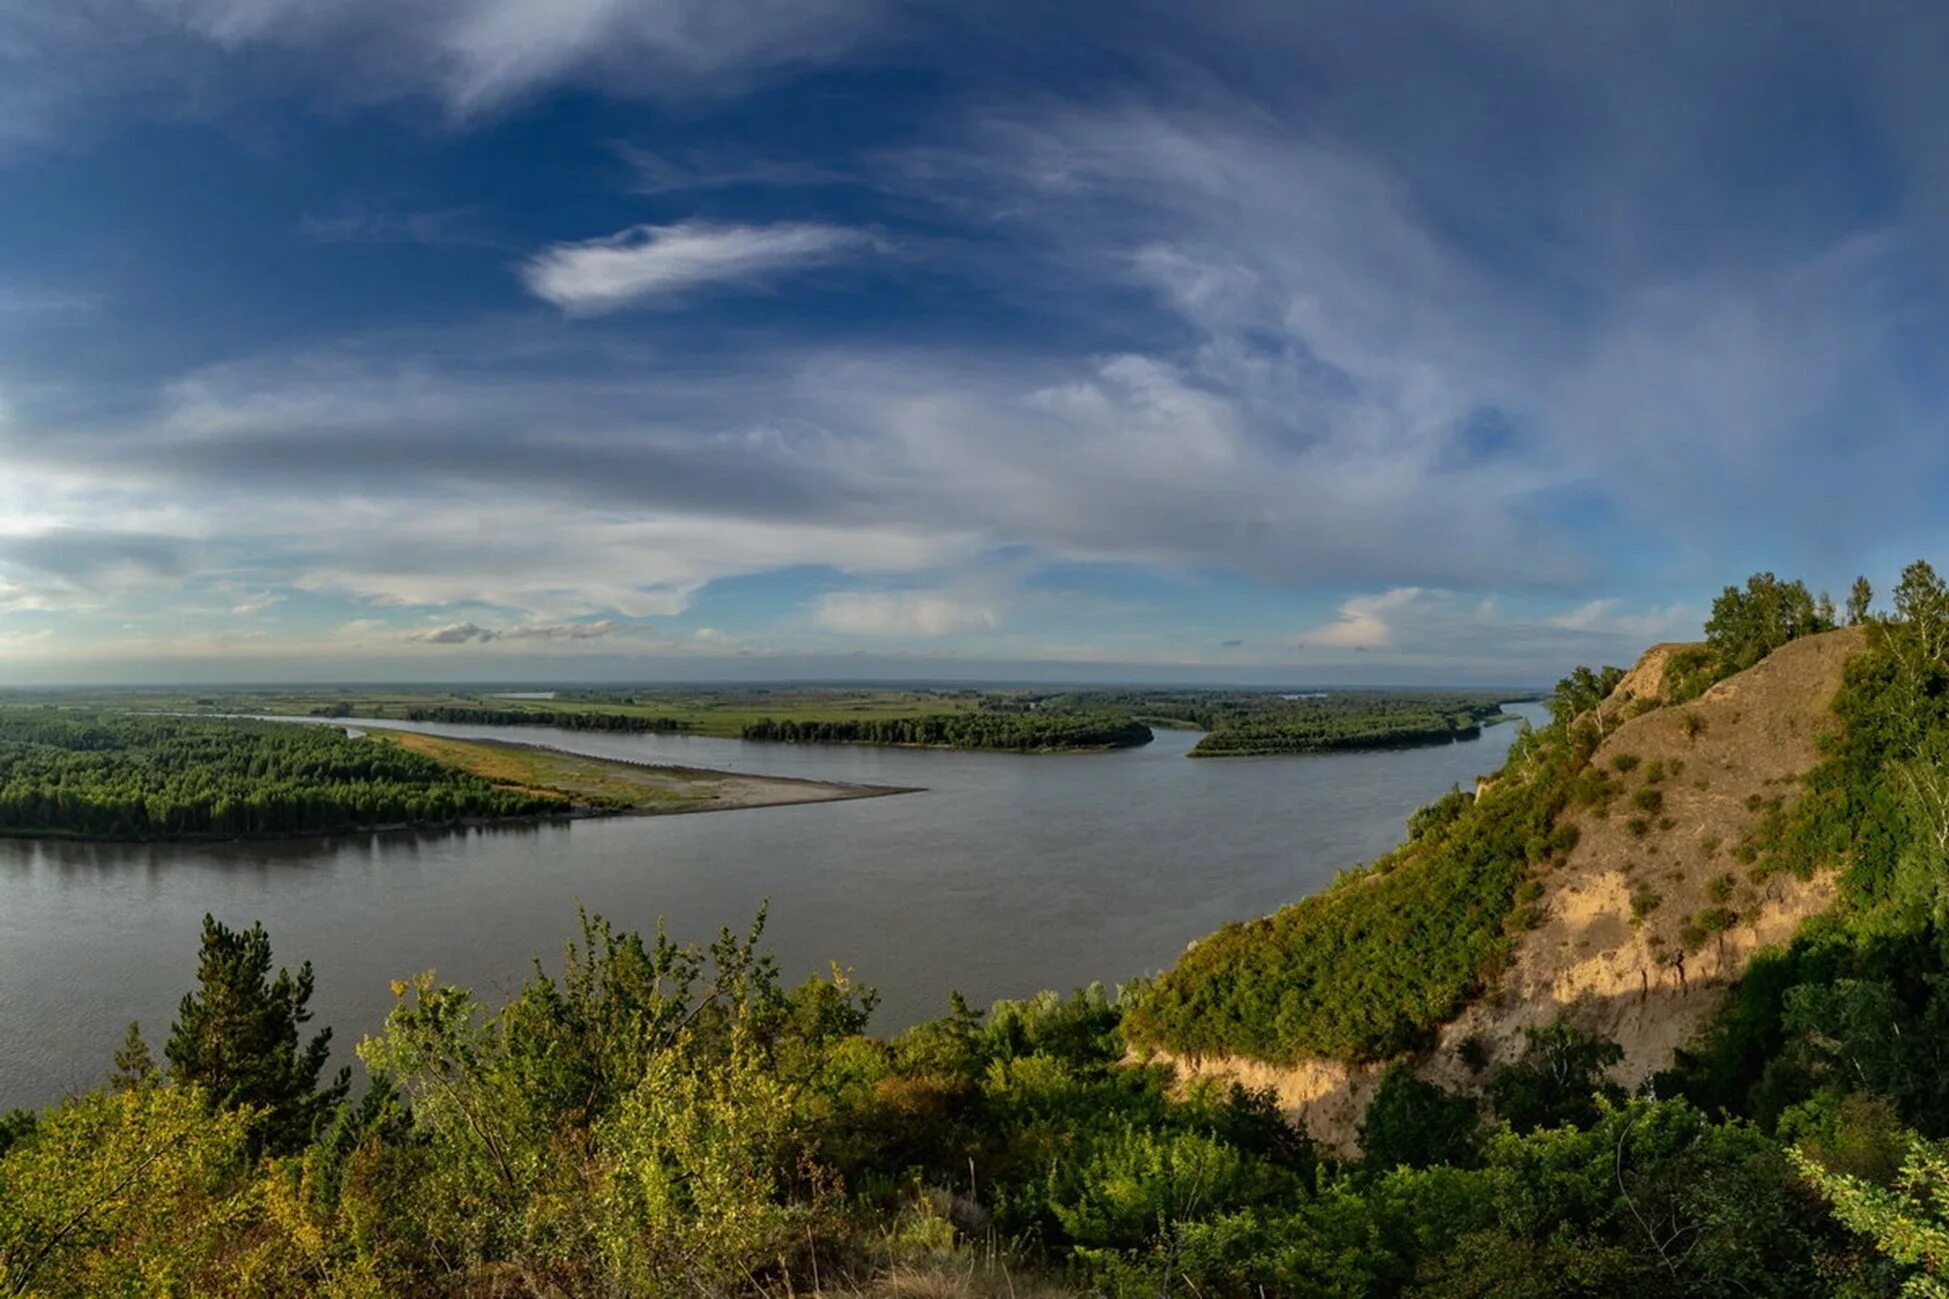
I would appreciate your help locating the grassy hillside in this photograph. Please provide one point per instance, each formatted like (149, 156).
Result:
(1371, 966)
(1669, 804)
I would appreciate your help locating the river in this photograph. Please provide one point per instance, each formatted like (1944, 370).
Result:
(1008, 874)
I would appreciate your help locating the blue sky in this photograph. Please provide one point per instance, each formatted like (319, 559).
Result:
(501, 339)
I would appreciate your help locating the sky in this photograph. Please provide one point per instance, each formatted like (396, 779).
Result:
(508, 340)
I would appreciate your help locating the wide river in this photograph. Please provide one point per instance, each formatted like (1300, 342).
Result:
(1007, 875)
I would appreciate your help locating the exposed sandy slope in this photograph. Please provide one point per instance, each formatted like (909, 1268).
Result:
(1751, 736)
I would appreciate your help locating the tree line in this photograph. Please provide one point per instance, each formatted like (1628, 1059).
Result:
(569, 720)
(1016, 732)
(121, 776)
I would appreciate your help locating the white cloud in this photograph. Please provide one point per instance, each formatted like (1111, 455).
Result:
(475, 56)
(904, 613)
(453, 633)
(562, 631)
(257, 604)
(1607, 617)
(645, 263)
(1363, 623)
(462, 633)
(27, 644)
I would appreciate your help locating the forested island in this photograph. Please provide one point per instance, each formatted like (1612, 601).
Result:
(563, 719)
(125, 777)
(1014, 732)
(668, 1118)
(121, 776)
(1349, 720)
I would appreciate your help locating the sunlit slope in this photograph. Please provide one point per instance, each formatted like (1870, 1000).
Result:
(1611, 850)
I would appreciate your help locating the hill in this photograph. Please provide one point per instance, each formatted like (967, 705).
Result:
(1645, 908)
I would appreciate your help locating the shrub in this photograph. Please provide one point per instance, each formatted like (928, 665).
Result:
(1414, 1123)
(1558, 1079)
(1625, 763)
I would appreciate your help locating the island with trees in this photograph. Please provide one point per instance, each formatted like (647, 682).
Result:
(98, 775)
(1023, 732)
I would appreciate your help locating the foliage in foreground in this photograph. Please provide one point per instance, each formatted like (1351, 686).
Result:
(664, 1119)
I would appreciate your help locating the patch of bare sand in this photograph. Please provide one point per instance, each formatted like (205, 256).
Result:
(726, 791)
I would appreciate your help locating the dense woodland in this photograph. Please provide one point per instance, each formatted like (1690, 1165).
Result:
(117, 776)
(566, 719)
(1017, 732)
(1238, 723)
(669, 1119)
(1360, 720)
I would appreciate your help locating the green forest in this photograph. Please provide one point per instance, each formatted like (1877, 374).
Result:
(1238, 722)
(118, 776)
(1016, 732)
(565, 719)
(1352, 720)
(662, 1118)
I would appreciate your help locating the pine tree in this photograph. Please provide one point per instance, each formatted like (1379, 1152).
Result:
(135, 1066)
(238, 1036)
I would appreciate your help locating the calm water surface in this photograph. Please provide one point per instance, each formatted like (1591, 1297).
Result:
(1007, 875)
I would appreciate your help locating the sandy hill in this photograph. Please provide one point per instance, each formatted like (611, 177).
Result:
(1656, 871)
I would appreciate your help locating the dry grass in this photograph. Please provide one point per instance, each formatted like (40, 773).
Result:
(950, 1278)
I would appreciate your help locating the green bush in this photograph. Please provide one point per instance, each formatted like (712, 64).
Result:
(1411, 1123)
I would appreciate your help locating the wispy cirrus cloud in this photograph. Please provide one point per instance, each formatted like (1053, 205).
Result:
(58, 59)
(463, 633)
(19, 300)
(645, 264)
(359, 224)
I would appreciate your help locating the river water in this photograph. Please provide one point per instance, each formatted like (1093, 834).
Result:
(1008, 874)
